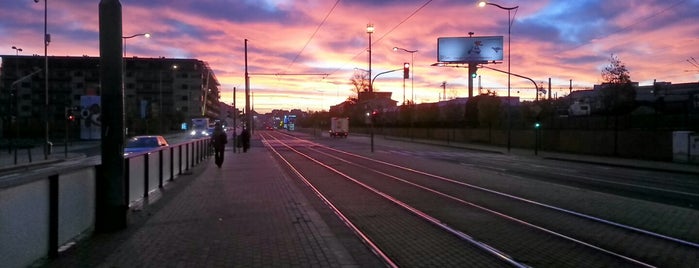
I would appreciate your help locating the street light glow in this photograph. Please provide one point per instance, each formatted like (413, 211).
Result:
(147, 35)
(482, 3)
(370, 28)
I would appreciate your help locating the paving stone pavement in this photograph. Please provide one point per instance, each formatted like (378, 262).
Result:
(247, 213)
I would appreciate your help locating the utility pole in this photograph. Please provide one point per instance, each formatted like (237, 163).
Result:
(235, 124)
(112, 203)
(248, 119)
(444, 90)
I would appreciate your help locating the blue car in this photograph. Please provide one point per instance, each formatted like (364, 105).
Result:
(139, 144)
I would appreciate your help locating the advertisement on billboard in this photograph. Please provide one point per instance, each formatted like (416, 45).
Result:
(90, 118)
(469, 49)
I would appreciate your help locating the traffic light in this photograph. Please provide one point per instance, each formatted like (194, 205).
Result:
(69, 115)
(406, 70)
(374, 115)
(537, 125)
(474, 74)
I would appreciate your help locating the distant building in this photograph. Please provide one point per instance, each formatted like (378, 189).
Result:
(169, 90)
(660, 96)
(376, 101)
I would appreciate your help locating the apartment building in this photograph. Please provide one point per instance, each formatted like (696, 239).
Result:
(160, 94)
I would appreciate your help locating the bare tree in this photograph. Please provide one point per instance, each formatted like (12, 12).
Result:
(360, 81)
(616, 72)
(618, 94)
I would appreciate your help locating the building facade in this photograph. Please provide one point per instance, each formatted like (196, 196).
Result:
(160, 94)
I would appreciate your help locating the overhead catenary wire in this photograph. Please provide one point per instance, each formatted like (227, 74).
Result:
(634, 23)
(313, 35)
(384, 35)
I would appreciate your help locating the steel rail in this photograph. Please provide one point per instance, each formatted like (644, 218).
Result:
(495, 212)
(363, 237)
(579, 214)
(482, 245)
(570, 212)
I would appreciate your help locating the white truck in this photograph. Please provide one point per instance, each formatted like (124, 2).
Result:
(339, 127)
(579, 108)
(200, 128)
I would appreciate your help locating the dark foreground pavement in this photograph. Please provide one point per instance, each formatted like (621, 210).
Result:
(248, 213)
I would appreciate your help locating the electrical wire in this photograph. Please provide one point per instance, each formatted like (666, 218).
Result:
(313, 35)
(383, 36)
(638, 21)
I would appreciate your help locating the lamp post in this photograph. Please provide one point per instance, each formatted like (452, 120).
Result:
(47, 40)
(147, 35)
(412, 72)
(509, 62)
(370, 30)
(123, 48)
(160, 98)
(17, 50)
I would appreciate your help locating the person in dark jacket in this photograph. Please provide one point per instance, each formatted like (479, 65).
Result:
(219, 140)
(245, 139)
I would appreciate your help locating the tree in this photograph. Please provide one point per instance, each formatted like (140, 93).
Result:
(360, 81)
(489, 110)
(477, 114)
(616, 72)
(617, 93)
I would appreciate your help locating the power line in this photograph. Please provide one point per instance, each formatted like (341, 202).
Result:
(638, 21)
(386, 34)
(313, 35)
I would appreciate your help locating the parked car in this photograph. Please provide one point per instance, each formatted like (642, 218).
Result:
(139, 144)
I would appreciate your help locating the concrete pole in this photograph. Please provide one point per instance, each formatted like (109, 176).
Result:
(248, 117)
(472, 68)
(235, 123)
(112, 203)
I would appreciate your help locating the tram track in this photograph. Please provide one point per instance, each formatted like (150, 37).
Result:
(478, 215)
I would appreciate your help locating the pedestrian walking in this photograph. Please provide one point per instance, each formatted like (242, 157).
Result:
(245, 139)
(219, 140)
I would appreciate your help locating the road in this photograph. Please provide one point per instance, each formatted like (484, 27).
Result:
(424, 205)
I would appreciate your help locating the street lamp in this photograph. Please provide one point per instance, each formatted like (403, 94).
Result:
(370, 30)
(509, 62)
(123, 65)
(17, 50)
(147, 35)
(173, 68)
(47, 40)
(412, 72)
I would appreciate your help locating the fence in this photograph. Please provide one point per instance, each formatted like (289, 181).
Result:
(52, 206)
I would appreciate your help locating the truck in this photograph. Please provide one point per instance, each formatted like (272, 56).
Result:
(579, 108)
(200, 128)
(339, 127)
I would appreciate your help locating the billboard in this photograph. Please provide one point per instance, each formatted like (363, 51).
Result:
(469, 49)
(91, 118)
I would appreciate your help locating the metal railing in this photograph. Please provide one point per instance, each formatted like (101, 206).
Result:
(51, 206)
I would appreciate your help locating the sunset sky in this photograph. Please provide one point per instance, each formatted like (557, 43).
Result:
(307, 39)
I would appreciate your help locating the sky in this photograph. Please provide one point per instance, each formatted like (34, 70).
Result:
(303, 53)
